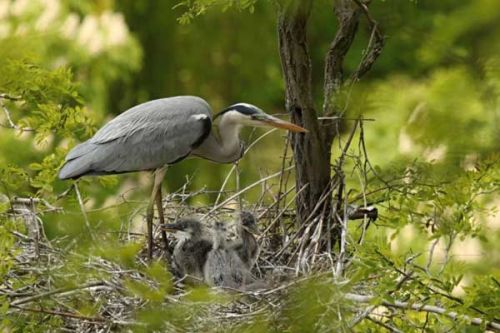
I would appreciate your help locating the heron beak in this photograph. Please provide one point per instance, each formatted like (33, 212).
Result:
(276, 122)
(171, 228)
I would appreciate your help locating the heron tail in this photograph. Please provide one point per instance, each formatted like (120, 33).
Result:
(74, 169)
(78, 162)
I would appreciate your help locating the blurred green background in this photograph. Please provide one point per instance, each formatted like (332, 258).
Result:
(434, 95)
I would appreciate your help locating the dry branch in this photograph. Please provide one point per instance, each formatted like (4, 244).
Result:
(420, 307)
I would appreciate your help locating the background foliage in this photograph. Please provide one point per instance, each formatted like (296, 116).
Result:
(434, 94)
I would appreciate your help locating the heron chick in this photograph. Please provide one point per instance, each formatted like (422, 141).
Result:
(247, 246)
(223, 267)
(194, 243)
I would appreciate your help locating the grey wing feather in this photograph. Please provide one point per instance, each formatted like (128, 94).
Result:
(224, 268)
(189, 257)
(144, 137)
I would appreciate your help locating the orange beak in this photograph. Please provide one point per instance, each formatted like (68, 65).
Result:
(278, 123)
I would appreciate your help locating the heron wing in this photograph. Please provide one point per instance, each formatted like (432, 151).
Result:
(161, 117)
(144, 137)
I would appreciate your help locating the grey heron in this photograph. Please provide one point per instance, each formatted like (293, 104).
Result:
(223, 267)
(194, 243)
(158, 133)
(247, 247)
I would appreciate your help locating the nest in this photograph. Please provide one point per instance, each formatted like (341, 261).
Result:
(288, 255)
(140, 296)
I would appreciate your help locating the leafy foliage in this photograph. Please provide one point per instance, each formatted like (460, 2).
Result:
(44, 103)
(199, 7)
(434, 95)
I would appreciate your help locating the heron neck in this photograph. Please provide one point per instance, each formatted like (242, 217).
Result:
(223, 149)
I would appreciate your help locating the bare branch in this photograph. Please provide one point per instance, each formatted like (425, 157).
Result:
(95, 320)
(57, 291)
(49, 206)
(84, 213)
(348, 13)
(11, 123)
(348, 18)
(235, 166)
(9, 118)
(375, 44)
(234, 196)
(9, 97)
(384, 325)
(420, 307)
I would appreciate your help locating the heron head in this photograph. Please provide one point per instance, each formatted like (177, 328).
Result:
(186, 228)
(250, 115)
(248, 222)
(223, 232)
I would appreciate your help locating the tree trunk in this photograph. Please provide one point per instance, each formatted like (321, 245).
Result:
(311, 151)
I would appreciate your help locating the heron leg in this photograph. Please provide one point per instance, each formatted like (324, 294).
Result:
(159, 205)
(159, 174)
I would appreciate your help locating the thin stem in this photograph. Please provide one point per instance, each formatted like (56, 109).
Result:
(84, 213)
(420, 307)
(222, 204)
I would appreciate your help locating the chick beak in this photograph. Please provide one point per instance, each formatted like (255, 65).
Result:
(171, 228)
(251, 231)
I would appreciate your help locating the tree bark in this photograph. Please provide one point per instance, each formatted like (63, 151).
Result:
(311, 152)
(348, 19)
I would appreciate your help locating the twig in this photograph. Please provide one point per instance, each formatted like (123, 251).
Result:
(420, 307)
(10, 98)
(431, 289)
(237, 179)
(343, 221)
(222, 204)
(9, 119)
(447, 252)
(281, 182)
(11, 123)
(344, 118)
(348, 143)
(95, 320)
(375, 45)
(55, 292)
(280, 214)
(36, 200)
(234, 165)
(343, 240)
(384, 325)
(84, 213)
(303, 225)
(431, 255)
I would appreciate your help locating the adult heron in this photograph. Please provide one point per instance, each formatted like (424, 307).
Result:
(155, 134)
